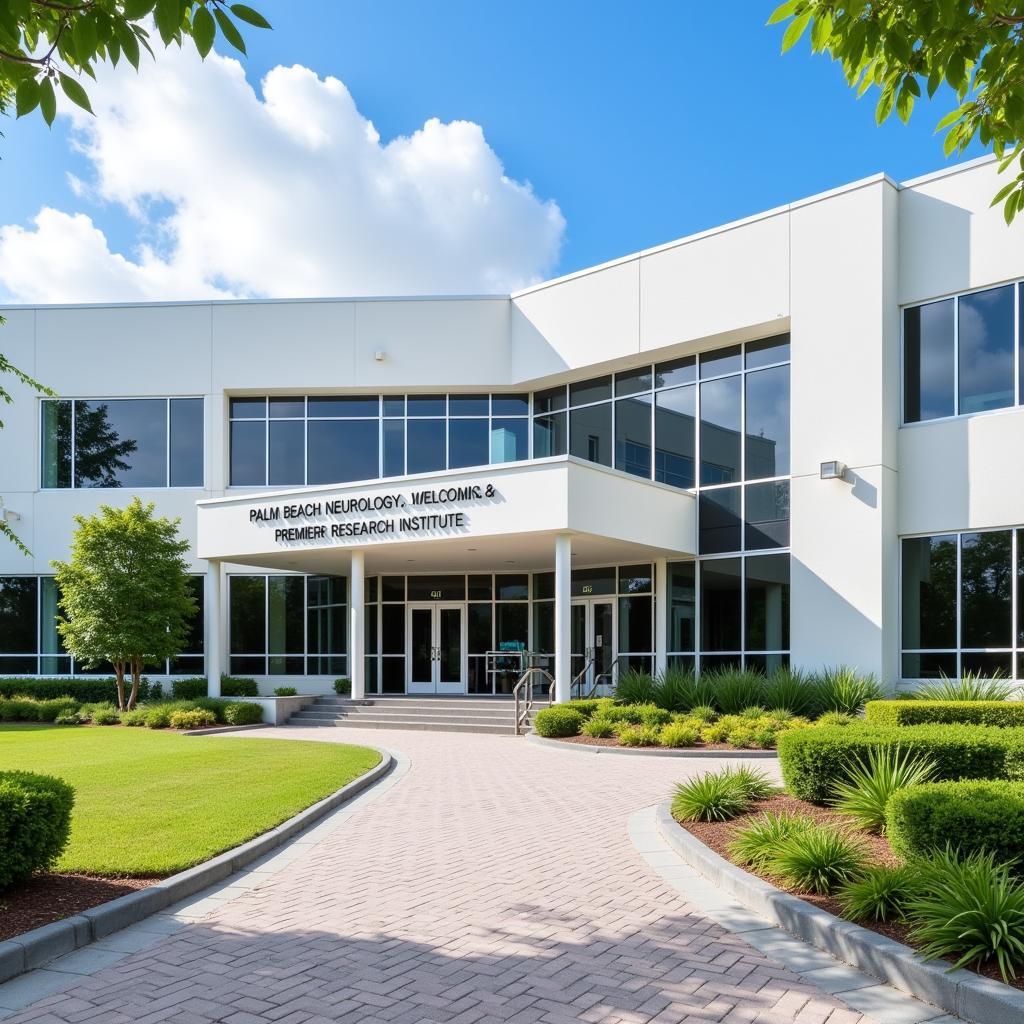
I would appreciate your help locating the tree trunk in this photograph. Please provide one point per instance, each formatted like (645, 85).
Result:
(119, 677)
(136, 679)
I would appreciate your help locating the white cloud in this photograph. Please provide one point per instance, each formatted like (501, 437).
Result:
(290, 194)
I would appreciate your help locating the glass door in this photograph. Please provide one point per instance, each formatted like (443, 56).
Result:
(437, 649)
(602, 632)
(421, 649)
(592, 635)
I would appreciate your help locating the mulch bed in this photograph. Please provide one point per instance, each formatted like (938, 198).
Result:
(613, 741)
(718, 834)
(45, 898)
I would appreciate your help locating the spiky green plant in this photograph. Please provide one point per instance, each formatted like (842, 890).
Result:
(674, 689)
(635, 688)
(753, 712)
(598, 728)
(639, 735)
(714, 796)
(818, 860)
(677, 734)
(867, 787)
(881, 894)
(703, 713)
(755, 844)
(735, 689)
(970, 686)
(847, 690)
(793, 691)
(754, 783)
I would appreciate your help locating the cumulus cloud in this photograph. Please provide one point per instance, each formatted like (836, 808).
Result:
(288, 193)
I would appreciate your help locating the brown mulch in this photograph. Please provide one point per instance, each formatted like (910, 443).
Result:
(613, 741)
(45, 898)
(718, 834)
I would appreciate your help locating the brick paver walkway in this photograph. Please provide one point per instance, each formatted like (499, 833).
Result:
(494, 883)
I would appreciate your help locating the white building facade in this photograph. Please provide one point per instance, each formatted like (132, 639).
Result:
(620, 469)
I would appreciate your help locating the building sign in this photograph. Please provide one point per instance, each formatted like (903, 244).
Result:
(379, 516)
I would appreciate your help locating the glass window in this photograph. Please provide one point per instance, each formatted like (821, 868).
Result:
(286, 408)
(635, 624)
(544, 626)
(121, 443)
(437, 588)
(985, 340)
(468, 443)
(513, 623)
(720, 604)
(767, 429)
(191, 661)
(509, 440)
(986, 663)
(393, 588)
(719, 520)
(394, 405)
(929, 666)
(18, 616)
(766, 522)
(678, 371)
(392, 675)
(635, 579)
(479, 628)
(186, 468)
(285, 613)
(426, 405)
(287, 463)
(767, 593)
(543, 584)
(347, 406)
(986, 590)
(767, 351)
(928, 362)
(248, 453)
(468, 405)
(56, 444)
(510, 405)
(633, 382)
(674, 436)
(549, 436)
(248, 408)
(588, 582)
(929, 593)
(248, 614)
(480, 587)
(633, 435)
(55, 659)
(597, 390)
(342, 450)
(682, 606)
(425, 446)
(326, 618)
(392, 618)
(394, 447)
(590, 433)
(720, 430)
(550, 400)
(722, 360)
(512, 586)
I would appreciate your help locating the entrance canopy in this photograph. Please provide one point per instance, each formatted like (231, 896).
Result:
(462, 520)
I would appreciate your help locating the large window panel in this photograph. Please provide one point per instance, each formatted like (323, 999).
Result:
(18, 615)
(720, 402)
(510, 440)
(675, 415)
(767, 425)
(635, 624)
(121, 443)
(56, 444)
(287, 463)
(719, 521)
(929, 366)
(394, 447)
(682, 606)
(986, 586)
(186, 448)
(985, 331)
(341, 451)
(590, 433)
(468, 442)
(929, 593)
(633, 435)
(54, 658)
(766, 580)
(248, 453)
(248, 599)
(425, 445)
(550, 436)
(766, 519)
(721, 604)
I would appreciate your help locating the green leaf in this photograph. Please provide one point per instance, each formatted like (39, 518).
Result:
(203, 31)
(950, 118)
(1011, 206)
(168, 19)
(885, 102)
(783, 11)
(74, 92)
(129, 43)
(47, 100)
(84, 36)
(26, 99)
(795, 30)
(248, 15)
(135, 9)
(231, 33)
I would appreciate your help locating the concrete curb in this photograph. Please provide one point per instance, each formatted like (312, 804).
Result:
(958, 992)
(586, 748)
(216, 730)
(39, 946)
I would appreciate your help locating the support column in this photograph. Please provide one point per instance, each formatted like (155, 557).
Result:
(214, 613)
(357, 629)
(661, 603)
(563, 605)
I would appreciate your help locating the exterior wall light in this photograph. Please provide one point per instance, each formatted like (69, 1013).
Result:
(833, 470)
(379, 355)
(9, 515)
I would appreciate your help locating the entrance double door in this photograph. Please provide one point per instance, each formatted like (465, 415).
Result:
(437, 648)
(592, 627)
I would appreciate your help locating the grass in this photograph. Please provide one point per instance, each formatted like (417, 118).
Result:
(152, 803)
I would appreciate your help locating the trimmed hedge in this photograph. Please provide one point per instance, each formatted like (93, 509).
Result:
(234, 686)
(558, 720)
(242, 713)
(197, 718)
(971, 816)
(1005, 713)
(35, 822)
(83, 690)
(814, 760)
(188, 689)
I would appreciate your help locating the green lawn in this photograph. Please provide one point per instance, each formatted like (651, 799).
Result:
(152, 803)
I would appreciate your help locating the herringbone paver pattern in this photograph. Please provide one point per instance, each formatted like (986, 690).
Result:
(494, 884)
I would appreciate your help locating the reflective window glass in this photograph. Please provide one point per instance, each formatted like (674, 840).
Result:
(247, 597)
(510, 405)
(720, 604)
(342, 450)
(544, 626)
(248, 408)
(345, 405)
(479, 628)
(635, 624)
(480, 587)
(633, 382)
(549, 436)
(767, 428)
(468, 443)
(635, 579)
(394, 405)
(509, 440)
(719, 520)
(392, 628)
(633, 435)
(767, 515)
(394, 447)
(682, 606)
(592, 582)
(56, 444)
(767, 351)
(987, 664)
(597, 390)
(590, 433)
(929, 592)
(392, 588)
(674, 436)
(986, 340)
(248, 453)
(287, 462)
(678, 371)
(121, 443)
(512, 586)
(928, 362)
(720, 430)
(286, 599)
(426, 405)
(437, 588)
(425, 445)
(18, 615)
(186, 469)
(929, 666)
(767, 604)
(54, 659)
(550, 400)
(468, 405)
(286, 408)
(543, 584)
(722, 360)
(512, 623)
(985, 589)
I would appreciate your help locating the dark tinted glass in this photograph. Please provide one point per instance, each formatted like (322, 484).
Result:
(767, 426)
(480, 587)
(549, 436)
(682, 606)
(633, 382)
(544, 626)
(426, 405)
(512, 586)
(590, 433)
(720, 431)
(286, 408)
(543, 584)
(767, 515)
(392, 631)
(287, 464)
(589, 582)
(19, 615)
(51, 646)
(674, 436)
(767, 583)
(326, 631)
(392, 675)
(928, 367)
(479, 627)
(986, 361)
(987, 663)
(633, 435)
(468, 405)
(56, 444)
(394, 405)
(249, 453)
(342, 450)
(550, 400)
(345, 405)
(512, 623)
(596, 390)
(985, 590)
(194, 642)
(722, 360)
(720, 604)
(437, 588)
(468, 443)
(394, 447)
(248, 408)
(678, 371)
(1020, 338)
(392, 588)
(635, 622)
(929, 666)
(767, 351)
(426, 444)
(509, 440)
(121, 443)
(285, 612)
(929, 593)
(719, 518)
(510, 405)
(248, 614)
(635, 579)
(186, 442)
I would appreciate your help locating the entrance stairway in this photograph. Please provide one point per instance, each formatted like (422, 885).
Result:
(441, 714)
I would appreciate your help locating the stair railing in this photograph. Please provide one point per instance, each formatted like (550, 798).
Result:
(609, 675)
(526, 682)
(579, 679)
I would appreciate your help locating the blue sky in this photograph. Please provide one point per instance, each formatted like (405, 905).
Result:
(643, 122)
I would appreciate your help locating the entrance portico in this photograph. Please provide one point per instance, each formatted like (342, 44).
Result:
(543, 519)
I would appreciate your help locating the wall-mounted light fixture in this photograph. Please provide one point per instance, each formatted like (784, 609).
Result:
(9, 515)
(833, 470)
(379, 355)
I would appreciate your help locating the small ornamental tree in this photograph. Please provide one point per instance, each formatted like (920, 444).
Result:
(124, 593)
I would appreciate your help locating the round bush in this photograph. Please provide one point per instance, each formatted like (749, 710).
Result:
(35, 822)
(135, 717)
(639, 735)
(242, 712)
(285, 691)
(598, 728)
(106, 716)
(678, 734)
(68, 718)
(236, 686)
(198, 718)
(343, 686)
(589, 708)
(558, 720)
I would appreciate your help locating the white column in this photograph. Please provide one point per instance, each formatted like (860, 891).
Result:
(357, 630)
(563, 604)
(661, 599)
(214, 613)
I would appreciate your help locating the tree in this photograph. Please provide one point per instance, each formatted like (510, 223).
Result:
(902, 46)
(51, 44)
(125, 594)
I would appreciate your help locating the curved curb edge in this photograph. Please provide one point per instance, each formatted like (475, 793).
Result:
(958, 992)
(586, 748)
(41, 945)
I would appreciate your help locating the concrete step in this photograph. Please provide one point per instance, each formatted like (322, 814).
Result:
(313, 715)
(367, 722)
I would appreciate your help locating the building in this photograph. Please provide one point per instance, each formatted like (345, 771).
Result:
(628, 467)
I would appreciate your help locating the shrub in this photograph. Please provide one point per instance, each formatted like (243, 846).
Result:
(35, 822)
(714, 796)
(755, 844)
(970, 910)
(286, 691)
(135, 717)
(639, 735)
(158, 716)
(92, 689)
(744, 737)
(215, 704)
(635, 688)
(558, 720)
(89, 712)
(835, 718)
(715, 733)
(703, 713)
(197, 718)
(754, 783)
(243, 712)
(818, 860)
(598, 728)
(188, 689)
(735, 689)
(847, 690)
(634, 714)
(591, 707)
(235, 686)
(867, 788)
(813, 761)
(48, 710)
(343, 686)
(675, 690)
(969, 686)
(881, 894)
(791, 690)
(1006, 713)
(106, 716)
(68, 718)
(19, 709)
(678, 734)
(967, 816)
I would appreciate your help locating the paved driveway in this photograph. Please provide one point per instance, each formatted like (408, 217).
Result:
(495, 881)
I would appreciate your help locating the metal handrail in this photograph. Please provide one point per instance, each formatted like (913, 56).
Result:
(577, 680)
(610, 673)
(522, 716)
